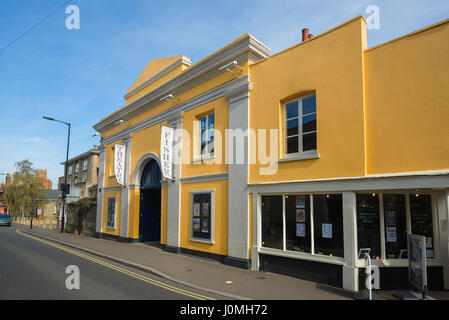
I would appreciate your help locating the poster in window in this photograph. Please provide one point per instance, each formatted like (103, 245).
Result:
(390, 217)
(301, 230)
(205, 211)
(391, 234)
(196, 209)
(196, 224)
(428, 242)
(111, 212)
(326, 230)
(300, 215)
(300, 202)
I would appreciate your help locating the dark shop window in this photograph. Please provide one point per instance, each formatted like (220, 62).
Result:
(421, 218)
(328, 224)
(368, 226)
(395, 226)
(272, 222)
(297, 213)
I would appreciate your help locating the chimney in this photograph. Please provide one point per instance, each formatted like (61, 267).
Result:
(305, 34)
(310, 36)
(8, 179)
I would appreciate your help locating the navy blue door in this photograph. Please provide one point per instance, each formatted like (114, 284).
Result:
(150, 203)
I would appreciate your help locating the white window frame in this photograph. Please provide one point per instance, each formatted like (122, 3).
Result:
(300, 133)
(85, 165)
(211, 219)
(77, 167)
(115, 213)
(70, 170)
(199, 155)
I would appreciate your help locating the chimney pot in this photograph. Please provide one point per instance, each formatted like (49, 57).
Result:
(310, 36)
(305, 34)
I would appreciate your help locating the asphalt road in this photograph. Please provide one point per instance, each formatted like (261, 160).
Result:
(31, 268)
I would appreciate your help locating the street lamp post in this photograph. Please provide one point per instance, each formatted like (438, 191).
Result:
(65, 169)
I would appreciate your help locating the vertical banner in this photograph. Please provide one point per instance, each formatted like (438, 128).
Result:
(167, 152)
(119, 163)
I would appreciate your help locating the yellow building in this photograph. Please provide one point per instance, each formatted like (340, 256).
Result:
(297, 162)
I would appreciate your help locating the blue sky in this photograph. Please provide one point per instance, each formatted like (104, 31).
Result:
(80, 76)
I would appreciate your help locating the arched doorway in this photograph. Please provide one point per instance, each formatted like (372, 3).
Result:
(150, 203)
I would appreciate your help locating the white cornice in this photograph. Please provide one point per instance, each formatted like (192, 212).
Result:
(246, 48)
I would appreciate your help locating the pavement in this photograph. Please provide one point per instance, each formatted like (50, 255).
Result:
(196, 273)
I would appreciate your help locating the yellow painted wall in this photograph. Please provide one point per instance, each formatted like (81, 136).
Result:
(220, 217)
(331, 65)
(195, 168)
(407, 85)
(144, 141)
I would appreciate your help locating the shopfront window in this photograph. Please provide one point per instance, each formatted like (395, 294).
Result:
(328, 224)
(272, 222)
(297, 214)
(368, 226)
(395, 219)
(421, 220)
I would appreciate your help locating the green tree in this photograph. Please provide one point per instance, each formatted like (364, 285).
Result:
(26, 193)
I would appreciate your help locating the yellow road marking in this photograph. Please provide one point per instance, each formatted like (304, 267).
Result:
(130, 273)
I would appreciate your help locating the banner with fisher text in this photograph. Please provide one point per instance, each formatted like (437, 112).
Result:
(167, 152)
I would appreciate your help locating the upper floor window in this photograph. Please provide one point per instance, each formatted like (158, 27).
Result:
(77, 167)
(300, 125)
(70, 170)
(206, 126)
(85, 165)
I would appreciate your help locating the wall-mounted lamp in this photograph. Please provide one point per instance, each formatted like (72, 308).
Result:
(167, 97)
(231, 65)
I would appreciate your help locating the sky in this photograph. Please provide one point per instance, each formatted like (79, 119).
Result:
(80, 76)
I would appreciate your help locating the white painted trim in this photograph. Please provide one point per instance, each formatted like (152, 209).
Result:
(365, 183)
(117, 188)
(302, 256)
(299, 156)
(205, 178)
(138, 168)
(369, 176)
